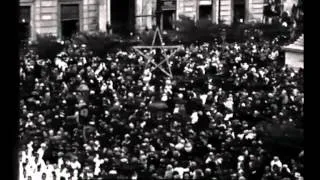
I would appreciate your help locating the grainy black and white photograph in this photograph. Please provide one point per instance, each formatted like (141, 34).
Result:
(161, 89)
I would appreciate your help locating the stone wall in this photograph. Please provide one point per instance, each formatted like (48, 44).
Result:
(94, 14)
(187, 8)
(226, 11)
(45, 15)
(255, 10)
(90, 15)
(46, 18)
(294, 59)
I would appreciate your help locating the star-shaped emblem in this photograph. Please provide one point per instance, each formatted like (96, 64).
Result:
(162, 47)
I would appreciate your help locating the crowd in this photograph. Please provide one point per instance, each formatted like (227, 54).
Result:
(85, 117)
(287, 12)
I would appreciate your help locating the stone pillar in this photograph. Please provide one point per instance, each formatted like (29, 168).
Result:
(197, 4)
(256, 10)
(179, 10)
(37, 12)
(215, 11)
(226, 11)
(248, 7)
(85, 15)
(148, 11)
(103, 15)
(48, 17)
(189, 8)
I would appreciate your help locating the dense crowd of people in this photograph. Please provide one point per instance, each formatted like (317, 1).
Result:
(86, 117)
(287, 12)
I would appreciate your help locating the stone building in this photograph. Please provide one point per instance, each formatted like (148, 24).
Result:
(64, 17)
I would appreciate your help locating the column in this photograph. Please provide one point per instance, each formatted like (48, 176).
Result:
(226, 11)
(248, 16)
(37, 12)
(215, 6)
(103, 15)
(85, 15)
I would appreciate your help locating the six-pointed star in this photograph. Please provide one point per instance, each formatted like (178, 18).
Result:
(162, 47)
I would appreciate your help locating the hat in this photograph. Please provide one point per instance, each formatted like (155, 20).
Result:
(116, 149)
(124, 160)
(241, 158)
(60, 154)
(127, 136)
(113, 172)
(297, 175)
(179, 146)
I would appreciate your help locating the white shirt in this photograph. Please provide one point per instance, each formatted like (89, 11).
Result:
(229, 104)
(37, 175)
(204, 98)
(228, 116)
(98, 162)
(75, 165)
(181, 170)
(60, 162)
(176, 110)
(277, 163)
(40, 152)
(194, 117)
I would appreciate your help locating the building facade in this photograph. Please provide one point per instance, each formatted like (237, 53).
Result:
(61, 18)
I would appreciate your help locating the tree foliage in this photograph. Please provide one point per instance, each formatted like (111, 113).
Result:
(47, 46)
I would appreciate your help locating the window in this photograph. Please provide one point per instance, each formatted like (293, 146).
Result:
(69, 20)
(24, 22)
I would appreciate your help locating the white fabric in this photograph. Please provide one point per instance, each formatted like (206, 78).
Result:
(204, 98)
(176, 110)
(228, 116)
(194, 117)
(277, 163)
(181, 170)
(229, 104)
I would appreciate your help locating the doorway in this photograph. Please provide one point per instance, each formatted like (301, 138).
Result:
(24, 23)
(122, 16)
(205, 12)
(168, 19)
(69, 20)
(239, 11)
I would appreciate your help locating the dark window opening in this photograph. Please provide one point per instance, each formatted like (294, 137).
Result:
(69, 20)
(205, 12)
(122, 16)
(24, 23)
(168, 19)
(239, 10)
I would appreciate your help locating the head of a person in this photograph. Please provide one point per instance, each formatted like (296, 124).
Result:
(187, 175)
(175, 175)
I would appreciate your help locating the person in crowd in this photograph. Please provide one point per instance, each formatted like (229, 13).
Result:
(87, 117)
